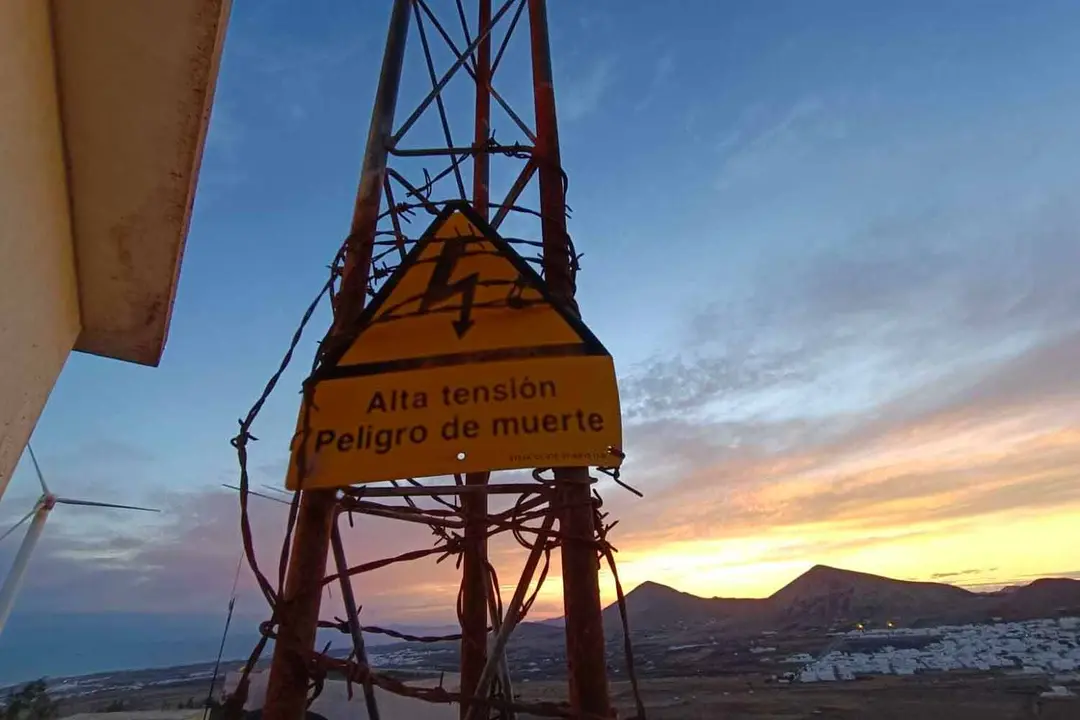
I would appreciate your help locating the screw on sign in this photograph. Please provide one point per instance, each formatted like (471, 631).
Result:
(462, 363)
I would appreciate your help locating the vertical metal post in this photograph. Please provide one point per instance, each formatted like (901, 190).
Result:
(474, 506)
(286, 695)
(513, 615)
(482, 159)
(580, 561)
(352, 617)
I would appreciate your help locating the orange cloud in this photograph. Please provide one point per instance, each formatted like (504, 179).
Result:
(927, 498)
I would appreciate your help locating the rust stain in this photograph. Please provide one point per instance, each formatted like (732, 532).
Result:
(142, 251)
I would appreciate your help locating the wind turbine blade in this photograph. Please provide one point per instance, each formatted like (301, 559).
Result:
(37, 469)
(91, 503)
(19, 524)
(278, 490)
(236, 579)
(258, 494)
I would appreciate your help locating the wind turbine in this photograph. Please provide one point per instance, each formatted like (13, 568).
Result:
(264, 496)
(39, 513)
(232, 606)
(224, 636)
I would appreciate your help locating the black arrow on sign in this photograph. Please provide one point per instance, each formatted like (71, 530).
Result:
(440, 288)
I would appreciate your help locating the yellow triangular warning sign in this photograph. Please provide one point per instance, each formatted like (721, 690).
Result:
(461, 363)
(464, 291)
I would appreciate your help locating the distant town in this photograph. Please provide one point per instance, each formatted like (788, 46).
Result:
(921, 643)
(1036, 647)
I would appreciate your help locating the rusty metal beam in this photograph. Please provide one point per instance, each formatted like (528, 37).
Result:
(437, 490)
(447, 76)
(514, 613)
(286, 695)
(580, 561)
(570, 492)
(352, 616)
(474, 572)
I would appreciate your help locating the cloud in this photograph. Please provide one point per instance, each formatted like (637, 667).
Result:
(897, 384)
(991, 584)
(295, 70)
(581, 94)
(914, 372)
(725, 509)
(102, 454)
(662, 70)
(275, 470)
(221, 169)
(763, 139)
(872, 316)
(99, 468)
(1010, 440)
(226, 133)
(185, 562)
(961, 573)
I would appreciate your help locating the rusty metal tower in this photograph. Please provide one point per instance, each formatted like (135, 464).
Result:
(464, 50)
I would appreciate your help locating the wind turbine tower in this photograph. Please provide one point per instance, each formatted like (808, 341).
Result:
(39, 513)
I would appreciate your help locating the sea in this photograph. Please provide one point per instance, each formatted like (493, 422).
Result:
(65, 645)
(36, 645)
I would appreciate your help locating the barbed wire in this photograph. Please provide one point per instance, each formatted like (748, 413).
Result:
(527, 521)
(519, 521)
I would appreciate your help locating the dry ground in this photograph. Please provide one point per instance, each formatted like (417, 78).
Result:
(151, 698)
(951, 697)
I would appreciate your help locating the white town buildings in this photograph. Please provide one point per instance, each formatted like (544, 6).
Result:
(1044, 647)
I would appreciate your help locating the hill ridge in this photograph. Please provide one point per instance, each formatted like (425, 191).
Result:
(830, 597)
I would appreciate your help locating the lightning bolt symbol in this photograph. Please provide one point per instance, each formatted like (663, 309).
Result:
(440, 288)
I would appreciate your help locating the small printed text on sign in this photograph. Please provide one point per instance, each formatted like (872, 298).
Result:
(380, 438)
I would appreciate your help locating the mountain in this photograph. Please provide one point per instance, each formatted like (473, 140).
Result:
(654, 607)
(825, 597)
(538, 632)
(1044, 597)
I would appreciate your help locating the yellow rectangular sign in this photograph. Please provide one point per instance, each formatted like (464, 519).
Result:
(537, 412)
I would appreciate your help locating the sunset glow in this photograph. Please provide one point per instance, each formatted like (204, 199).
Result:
(835, 261)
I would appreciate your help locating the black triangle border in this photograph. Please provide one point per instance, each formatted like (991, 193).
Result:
(590, 344)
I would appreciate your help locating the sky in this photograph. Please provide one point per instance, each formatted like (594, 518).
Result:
(831, 246)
